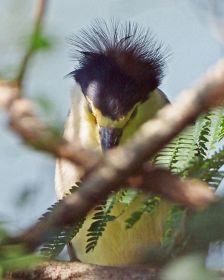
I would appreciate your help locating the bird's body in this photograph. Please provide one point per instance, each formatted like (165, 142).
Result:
(114, 96)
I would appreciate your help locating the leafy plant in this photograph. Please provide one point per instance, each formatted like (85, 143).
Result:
(101, 217)
(57, 240)
(14, 257)
(197, 152)
(148, 206)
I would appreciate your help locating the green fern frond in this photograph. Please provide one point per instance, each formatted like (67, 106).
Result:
(101, 217)
(221, 132)
(179, 153)
(208, 170)
(203, 126)
(148, 207)
(127, 196)
(62, 236)
(167, 156)
(173, 227)
(215, 135)
(58, 203)
(186, 152)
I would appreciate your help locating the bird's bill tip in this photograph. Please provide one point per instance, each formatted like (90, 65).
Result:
(109, 137)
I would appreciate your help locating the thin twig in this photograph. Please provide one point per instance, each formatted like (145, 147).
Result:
(40, 10)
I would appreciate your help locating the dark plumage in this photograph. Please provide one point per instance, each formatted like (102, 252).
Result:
(123, 60)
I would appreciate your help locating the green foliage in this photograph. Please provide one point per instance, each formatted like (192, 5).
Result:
(14, 257)
(126, 196)
(101, 217)
(194, 147)
(41, 42)
(196, 152)
(174, 227)
(38, 41)
(147, 207)
(209, 169)
(203, 128)
(178, 155)
(57, 240)
(205, 227)
(189, 267)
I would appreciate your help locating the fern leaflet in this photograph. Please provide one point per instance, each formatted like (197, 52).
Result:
(60, 237)
(148, 207)
(173, 227)
(101, 217)
(126, 196)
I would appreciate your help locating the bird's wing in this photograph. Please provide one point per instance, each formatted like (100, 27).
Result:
(67, 174)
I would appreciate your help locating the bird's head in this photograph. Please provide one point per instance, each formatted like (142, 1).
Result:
(119, 66)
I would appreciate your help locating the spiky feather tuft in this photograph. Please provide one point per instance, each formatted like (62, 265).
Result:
(133, 48)
(125, 61)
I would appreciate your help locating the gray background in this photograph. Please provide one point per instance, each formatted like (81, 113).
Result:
(190, 29)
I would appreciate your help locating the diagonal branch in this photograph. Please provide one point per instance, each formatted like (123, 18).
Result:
(150, 179)
(191, 193)
(34, 132)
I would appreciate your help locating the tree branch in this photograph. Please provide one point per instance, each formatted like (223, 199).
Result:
(80, 271)
(34, 132)
(66, 270)
(190, 193)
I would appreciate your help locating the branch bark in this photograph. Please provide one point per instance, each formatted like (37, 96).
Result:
(34, 132)
(80, 271)
(65, 270)
(150, 179)
(193, 193)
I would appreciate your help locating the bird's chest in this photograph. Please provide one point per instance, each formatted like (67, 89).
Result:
(117, 245)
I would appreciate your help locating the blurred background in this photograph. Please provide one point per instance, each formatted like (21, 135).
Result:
(192, 30)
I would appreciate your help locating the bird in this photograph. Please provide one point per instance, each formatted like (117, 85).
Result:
(118, 70)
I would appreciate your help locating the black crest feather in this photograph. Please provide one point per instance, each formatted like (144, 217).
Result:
(122, 57)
